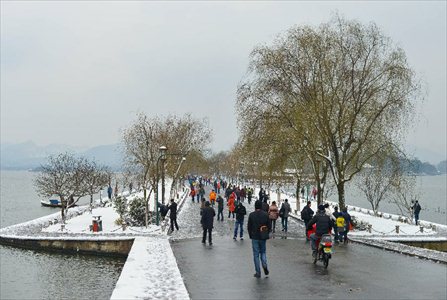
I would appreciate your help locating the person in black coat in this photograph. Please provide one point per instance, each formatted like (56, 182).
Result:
(240, 214)
(259, 227)
(173, 215)
(323, 225)
(306, 215)
(220, 207)
(207, 220)
(416, 210)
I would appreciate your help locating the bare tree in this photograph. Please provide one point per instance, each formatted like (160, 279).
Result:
(343, 86)
(70, 178)
(405, 194)
(96, 176)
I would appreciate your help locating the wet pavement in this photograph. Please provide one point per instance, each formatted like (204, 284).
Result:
(225, 270)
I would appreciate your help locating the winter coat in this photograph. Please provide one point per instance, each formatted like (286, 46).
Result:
(417, 208)
(212, 196)
(257, 219)
(265, 207)
(348, 219)
(207, 219)
(307, 213)
(219, 203)
(193, 192)
(324, 223)
(173, 209)
(230, 204)
(273, 212)
(240, 212)
(287, 209)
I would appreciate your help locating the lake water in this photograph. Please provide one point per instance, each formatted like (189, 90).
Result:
(433, 198)
(27, 274)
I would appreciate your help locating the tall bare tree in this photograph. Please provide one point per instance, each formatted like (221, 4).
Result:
(343, 86)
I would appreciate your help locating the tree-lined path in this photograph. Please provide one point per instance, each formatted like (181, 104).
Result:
(225, 270)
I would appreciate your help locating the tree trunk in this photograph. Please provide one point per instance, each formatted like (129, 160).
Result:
(341, 194)
(297, 195)
(63, 209)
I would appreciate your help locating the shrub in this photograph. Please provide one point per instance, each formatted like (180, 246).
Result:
(136, 212)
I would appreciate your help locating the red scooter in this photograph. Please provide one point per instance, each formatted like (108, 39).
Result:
(324, 253)
(324, 246)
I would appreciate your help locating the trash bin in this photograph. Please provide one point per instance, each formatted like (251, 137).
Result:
(100, 225)
(95, 225)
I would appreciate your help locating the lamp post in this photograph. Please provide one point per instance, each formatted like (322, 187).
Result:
(318, 160)
(162, 156)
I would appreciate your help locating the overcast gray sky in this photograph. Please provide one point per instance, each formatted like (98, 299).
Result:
(77, 72)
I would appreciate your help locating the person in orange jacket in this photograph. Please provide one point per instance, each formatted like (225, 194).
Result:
(213, 197)
(230, 205)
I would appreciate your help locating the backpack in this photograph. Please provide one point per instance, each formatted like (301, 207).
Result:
(340, 221)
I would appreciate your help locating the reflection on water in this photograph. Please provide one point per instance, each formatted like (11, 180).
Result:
(27, 274)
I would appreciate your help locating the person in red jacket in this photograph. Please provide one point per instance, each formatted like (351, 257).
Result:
(231, 205)
(193, 193)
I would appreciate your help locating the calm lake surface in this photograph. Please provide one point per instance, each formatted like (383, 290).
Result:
(27, 274)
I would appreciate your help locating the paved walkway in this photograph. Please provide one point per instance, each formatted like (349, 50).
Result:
(225, 270)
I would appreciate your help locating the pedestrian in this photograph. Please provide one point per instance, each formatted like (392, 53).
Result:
(163, 210)
(339, 225)
(348, 221)
(220, 208)
(261, 194)
(240, 214)
(314, 193)
(273, 215)
(109, 192)
(249, 194)
(130, 188)
(259, 229)
(265, 206)
(285, 216)
(416, 210)
(193, 193)
(207, 221)
(306, 215)
(230, 205)
(212, 197)
(173, 215)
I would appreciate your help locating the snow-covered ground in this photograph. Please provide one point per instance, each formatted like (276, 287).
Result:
(150, 272)
(381, 227)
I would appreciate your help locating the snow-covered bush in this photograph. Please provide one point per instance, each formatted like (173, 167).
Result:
(120, 205)
(136, 214)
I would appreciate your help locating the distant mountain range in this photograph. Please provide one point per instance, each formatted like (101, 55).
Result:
(28, 155)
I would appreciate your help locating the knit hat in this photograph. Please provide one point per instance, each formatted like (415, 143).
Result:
(258, 204)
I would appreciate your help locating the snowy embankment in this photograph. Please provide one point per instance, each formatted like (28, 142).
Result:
(150, 272)
(382, 226)
(385, 231)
